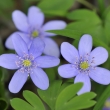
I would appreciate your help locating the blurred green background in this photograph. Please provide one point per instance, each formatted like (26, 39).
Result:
(83, 16)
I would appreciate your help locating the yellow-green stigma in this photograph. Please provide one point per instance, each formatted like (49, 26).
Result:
(27, 63)
(35, 33)
(84, 65)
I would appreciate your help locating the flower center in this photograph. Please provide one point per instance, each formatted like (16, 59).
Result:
(26, 63)
(84, 65)
(35, 33)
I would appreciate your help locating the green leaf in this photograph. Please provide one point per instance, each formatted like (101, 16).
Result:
(97, 31)
(67, 99)
(55, 12)
(76, 34)
(49, 96)
(105, 13)
(101, 6)
(75, 43)
(64, 85)
(56, 4)
(67, 94)
(88, 27)
(82, 101)
(34, 100)
(51, 72)
(107, 63)
(102, 99)
(107, 25)
(107, 30)
(57, 7)
(99, 34)
(16, 104)
(84, 15)
(80, 25)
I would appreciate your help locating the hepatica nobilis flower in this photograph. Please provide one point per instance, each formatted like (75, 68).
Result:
(29, 63)
(31, 26)
(84, 62)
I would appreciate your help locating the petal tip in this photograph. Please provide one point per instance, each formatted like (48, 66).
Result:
(34, 8)
(45, 88)
(87, 35)
(64, 43)
(12, 90)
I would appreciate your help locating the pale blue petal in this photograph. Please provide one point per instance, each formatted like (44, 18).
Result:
(40, 79)
(67, 71)
(47, 61)
(51, 47)
(25, 37)
(100, 75)
(69, 52)
(19, 45)
(35, 16)
(84, 78)
(17, 81)
(106, 108)
(99, 55)
(8, 61)
(54, 25)
(37, 47)
(9, 43)
(85, 45)
(20, 20)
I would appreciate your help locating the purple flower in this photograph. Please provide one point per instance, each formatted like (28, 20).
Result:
(30, 27)
(28, 62)
(84, 62)
(107, 105)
